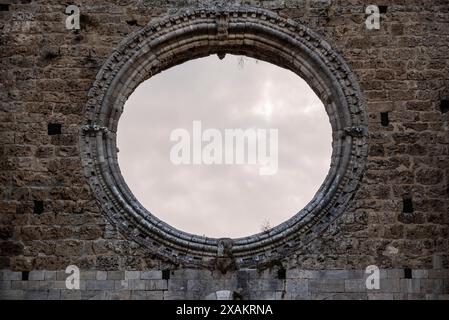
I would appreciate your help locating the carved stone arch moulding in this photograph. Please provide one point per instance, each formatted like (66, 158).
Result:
(197, 33)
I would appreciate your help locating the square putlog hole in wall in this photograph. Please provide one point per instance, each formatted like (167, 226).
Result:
(54, 129)
(25, 275)
(384, 120)
(444, 106)
(407, 273)
(407, 205)
(282, 274)
(166, 274)
(383, 9)
(4, 7)
(38, 207)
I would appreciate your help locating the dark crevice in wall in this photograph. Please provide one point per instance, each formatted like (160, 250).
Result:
(166, 274)
(25, 275)
(444, 106)
(38, 207)
(407, 205)
(132, 22)
(384, 120)
(54, 129)
(407, 273)
(282, 274)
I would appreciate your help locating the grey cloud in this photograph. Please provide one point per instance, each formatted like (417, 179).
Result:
(223, 200)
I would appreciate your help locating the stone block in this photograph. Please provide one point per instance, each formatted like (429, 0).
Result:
(292, 273)
(400, 296)
(156, 285)
(420, 274)
(297, 287)
(437, 261)
(5, 285)
(302, 274)
(283, 295)
(416, 296)
(121, 284)
(263, 295)
(190, 274)
(50, 275)
(12, 275)
(224, 295)
(61, 275)
(116, 275)
(155, 295)
(99, 285)
(263, 274)
(137, 284)
(347, 296)
(432, 286)
(132, 275)
(243, 274)
(199, 285)
(12, 294)
(119, 295)
(151, 275)
(380, 296)
(410, 285)
(60, 284)
(355, 274)
(102, 275)
(85, 275)
(340, 274)
(270, 284)
(383, 274)
(37, 275)
(395, 273)
(54, 294)
(177, 284)
(438, 274)
(322, 296)
(93, 295)
(174, 295)
(138, 295)
(355, 285)
(331, 285)
(19, 285)
(36, 295)
(39, 285)
(390, 285)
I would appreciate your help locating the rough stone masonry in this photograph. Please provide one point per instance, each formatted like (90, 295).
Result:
(397, 219)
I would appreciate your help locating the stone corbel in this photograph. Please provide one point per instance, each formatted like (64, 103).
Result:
(93, 128)
(354, 131)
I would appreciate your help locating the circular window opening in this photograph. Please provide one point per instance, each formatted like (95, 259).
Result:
(224, 198)
(198, 33)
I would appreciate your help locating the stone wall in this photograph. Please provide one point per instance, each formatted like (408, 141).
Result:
(49, 218)
(395, 284)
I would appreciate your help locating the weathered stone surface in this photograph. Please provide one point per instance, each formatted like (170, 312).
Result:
(350, 286)
(102, 275)
(47, 78)
(326, 285)
(151, 275)
(115, 275)
(99, 285)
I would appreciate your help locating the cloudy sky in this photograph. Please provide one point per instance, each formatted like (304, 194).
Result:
(224, 200)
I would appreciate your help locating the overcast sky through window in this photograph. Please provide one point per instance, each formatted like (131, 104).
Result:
(224, 200)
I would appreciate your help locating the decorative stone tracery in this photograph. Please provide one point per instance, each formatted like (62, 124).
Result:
(197, 33)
